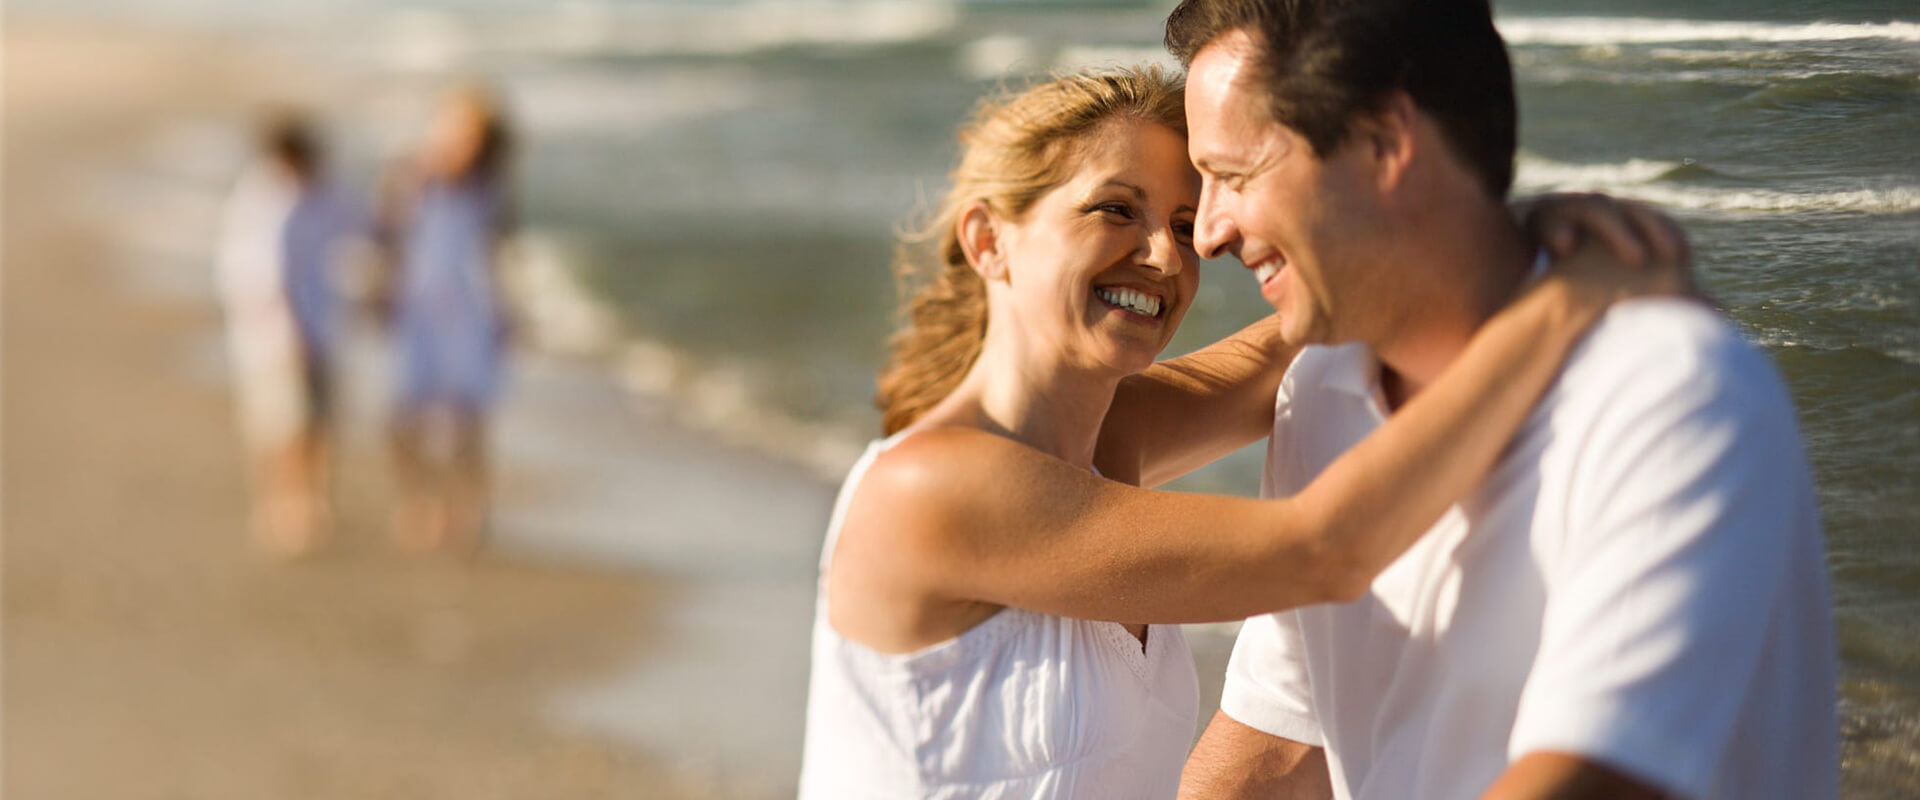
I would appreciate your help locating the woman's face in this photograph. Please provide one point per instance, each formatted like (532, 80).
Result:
(455, 138)
(1100, 271)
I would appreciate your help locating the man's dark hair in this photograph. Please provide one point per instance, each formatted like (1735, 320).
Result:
(1326, 61)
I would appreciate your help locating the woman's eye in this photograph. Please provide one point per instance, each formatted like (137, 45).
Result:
(1121, 210)
(1183, 231)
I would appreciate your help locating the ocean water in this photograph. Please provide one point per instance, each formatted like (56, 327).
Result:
(726, 180)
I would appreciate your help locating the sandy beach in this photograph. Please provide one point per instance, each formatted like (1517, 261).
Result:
(150, 652)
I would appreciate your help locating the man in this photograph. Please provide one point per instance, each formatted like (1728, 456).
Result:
(1634, 603)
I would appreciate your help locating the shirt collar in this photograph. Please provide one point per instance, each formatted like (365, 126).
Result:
(1352, 369)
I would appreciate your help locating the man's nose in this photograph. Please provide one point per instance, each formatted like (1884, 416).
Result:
(1213, 228)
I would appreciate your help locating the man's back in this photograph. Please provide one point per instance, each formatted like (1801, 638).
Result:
(1640, 582)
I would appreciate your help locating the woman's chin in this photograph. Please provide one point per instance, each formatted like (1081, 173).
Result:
(1133, 360)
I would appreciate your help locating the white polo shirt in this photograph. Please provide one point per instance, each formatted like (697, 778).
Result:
(1640, 581)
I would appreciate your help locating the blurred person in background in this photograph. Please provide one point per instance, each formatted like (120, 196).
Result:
(999, 597)
(447, 213)
(280, 238)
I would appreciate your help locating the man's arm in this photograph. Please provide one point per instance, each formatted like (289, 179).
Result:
(1235, 761)
(1564, 776)
(1685, 587)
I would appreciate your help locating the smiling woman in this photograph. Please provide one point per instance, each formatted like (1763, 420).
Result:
(996, 616)
(1013, 152)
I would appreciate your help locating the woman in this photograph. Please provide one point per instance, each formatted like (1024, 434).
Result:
(450, 212)
(995, 617)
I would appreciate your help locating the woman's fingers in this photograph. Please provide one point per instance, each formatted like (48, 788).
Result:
(1565, 221)
(1660, 234)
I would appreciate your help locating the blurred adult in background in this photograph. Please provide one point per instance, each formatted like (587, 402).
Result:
(279, 242)
(447, 213)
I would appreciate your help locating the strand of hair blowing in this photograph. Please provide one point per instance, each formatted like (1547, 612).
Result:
(1013, 152)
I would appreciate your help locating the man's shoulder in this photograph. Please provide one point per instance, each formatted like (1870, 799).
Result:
(1668, 350)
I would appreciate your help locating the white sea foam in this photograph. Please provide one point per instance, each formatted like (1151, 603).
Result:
(717, 398)
(606, 102)
(1601, 31)
(1073, 59)
(418, 40)
(996, 55)
(1638, 179)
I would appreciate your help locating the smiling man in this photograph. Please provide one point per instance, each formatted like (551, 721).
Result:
(1634, 603)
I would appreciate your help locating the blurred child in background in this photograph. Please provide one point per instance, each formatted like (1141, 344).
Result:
(281, 234)
(447, 213)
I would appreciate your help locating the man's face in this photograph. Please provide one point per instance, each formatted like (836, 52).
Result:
(1298, 222)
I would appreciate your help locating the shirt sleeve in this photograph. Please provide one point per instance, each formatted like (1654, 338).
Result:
(1686, 516)
(1267, 687)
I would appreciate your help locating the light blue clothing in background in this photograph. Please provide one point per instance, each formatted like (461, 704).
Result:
(450, 325)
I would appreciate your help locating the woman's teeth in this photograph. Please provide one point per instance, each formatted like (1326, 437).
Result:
(1265, 271)
(1134, 301)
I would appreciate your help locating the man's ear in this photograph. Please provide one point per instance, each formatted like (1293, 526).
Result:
(1387, 133)
(980, 239)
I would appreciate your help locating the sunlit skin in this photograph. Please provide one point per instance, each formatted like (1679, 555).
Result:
(1385, 240)
(454, 140)
(1271, 203)
(1054, 351)
(1123, 220)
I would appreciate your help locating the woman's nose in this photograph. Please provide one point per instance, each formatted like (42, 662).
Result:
(1164, 251)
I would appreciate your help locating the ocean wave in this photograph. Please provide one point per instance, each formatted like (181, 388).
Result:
(430, 40)
(720, 399)
(1603, 31)
(1672, 184)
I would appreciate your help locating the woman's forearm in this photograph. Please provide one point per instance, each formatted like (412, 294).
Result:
(1184, 413)
(1373, 503)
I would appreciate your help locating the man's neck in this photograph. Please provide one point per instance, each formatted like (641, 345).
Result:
(1481, 262)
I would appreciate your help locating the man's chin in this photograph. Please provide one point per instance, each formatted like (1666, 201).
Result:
(1300, 333)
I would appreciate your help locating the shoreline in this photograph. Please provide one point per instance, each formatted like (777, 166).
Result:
(147, 635)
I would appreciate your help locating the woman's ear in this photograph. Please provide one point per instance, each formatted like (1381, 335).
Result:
(980, 238)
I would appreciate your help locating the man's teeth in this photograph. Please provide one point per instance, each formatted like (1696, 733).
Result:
(1131, 300)
(1265, 271)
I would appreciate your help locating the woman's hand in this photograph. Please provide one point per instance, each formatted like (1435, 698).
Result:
(1608, 250)
(1634, 233)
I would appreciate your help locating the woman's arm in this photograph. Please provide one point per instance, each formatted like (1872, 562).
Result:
(964, 515)
(1184, 413)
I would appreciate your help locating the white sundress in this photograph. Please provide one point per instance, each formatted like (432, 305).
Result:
(1023, 705)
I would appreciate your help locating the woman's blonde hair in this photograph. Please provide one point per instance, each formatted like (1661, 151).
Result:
(1012, 151)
